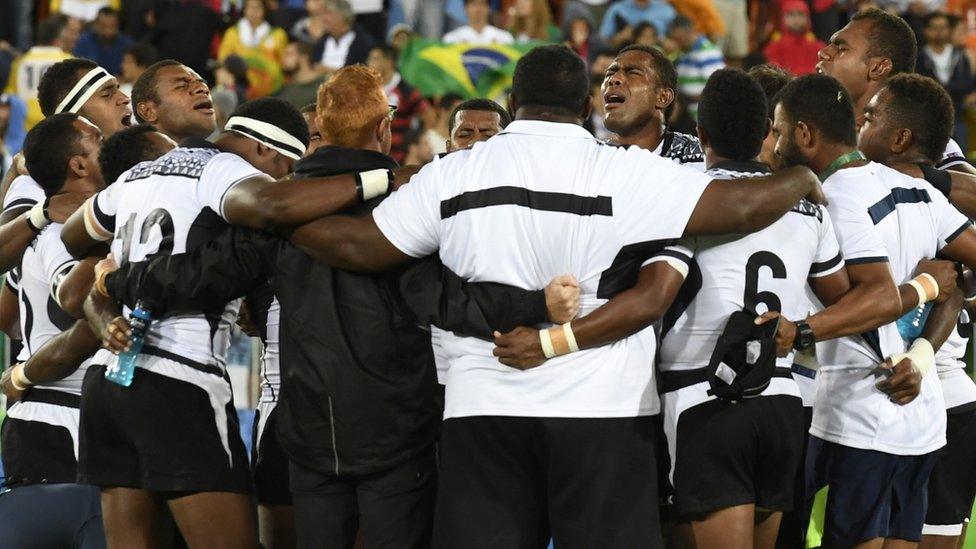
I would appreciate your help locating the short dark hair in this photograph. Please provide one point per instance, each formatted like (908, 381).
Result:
(388, 52)
(823, 104)
(47, 149)
(891, 38)
(922, 105)
(58, 80)
(107, 10)
(551, 76)
(680, 22)
(479, 105)
(771, 79)
(144, 88)
(49, 30)
(951, 20)
(732, 113)
(143, 53)
(124, 150)
(277, 112)
(667, 76)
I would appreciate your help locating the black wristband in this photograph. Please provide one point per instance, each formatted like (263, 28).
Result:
(31, 225)
(359, 187)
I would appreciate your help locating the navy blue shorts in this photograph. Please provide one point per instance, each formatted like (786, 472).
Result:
(51, 515)
(871, 494)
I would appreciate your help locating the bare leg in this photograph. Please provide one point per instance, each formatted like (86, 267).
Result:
(875, 543)
(277, 524)
(766, 529)
(134, 519)
(891, 543)
(731, 528)
(216, 520)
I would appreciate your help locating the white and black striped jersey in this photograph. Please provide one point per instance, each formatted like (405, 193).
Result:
(23, 192)
(881, 215)
(764, 271)
(953, 156)
(682, 148)
(169, 206)
(45, 264)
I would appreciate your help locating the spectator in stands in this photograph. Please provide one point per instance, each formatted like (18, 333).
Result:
(703, 13)
(645, 34)
(949, 65)
(697, 59)
(410, 104)
(232, 75)
(313, 27)
(619, 21)
(478, 31)
(419, 151)
(83, 10)
(473, 121)
(531, 20)
(135, 61)
(399, 36)
(104, 44)
(735, 41)
(772, 79)
(302, 80)
(439, 131)
(71, 33)
(795, 46)
(345, 43)
(596, 124)
(578, 36)
(601, 62)
(260, 45)
(27, 70)
(6, 157)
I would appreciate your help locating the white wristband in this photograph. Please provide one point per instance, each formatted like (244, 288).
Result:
(37, 218)
(570, 338)
(922, 355)
(375, 183)
(922, 297)
(546, 340)
(18, 378)
(933, 282)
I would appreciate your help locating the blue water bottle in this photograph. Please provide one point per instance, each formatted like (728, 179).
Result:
(122, 372)
(910, 326)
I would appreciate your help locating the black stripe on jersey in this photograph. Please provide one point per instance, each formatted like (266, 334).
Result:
(825, 265)
(106, 221)
(20, 203)
(958, 232)
(899, 195)
(28, 322)
(156, 351)
(536, 200)
(863, 260)
(622, 272)
(61, 320)
(675, 254)
(951, 161)
(50, 396)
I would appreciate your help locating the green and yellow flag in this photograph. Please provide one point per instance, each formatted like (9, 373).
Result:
(436, 68)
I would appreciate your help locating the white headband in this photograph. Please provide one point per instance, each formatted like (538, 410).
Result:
(268, 135)
(83, 90)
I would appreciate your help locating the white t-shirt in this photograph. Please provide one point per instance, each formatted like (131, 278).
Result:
(23, 192)
(488, 35)
(336, 51)
(45, 264)
(170, 206)
(880, 214)
(536, 201)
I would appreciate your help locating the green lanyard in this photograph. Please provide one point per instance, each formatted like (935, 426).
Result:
(845, 158)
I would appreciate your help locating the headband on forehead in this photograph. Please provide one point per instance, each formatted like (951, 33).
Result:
(83, 90)
(268, 135)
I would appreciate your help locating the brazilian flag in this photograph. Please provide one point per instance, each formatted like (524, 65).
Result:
(469, 70)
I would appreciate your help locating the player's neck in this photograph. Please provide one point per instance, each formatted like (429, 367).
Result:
(828, 154)
(648, 137)
(546, 115)
(911, 157)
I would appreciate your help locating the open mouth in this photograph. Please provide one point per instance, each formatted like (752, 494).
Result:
(127, 119)
(612, 100)
(205, 107)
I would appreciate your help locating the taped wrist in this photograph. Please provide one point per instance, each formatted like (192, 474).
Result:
(921, 354)
(926, 286)
(373, 183)
(557, 341)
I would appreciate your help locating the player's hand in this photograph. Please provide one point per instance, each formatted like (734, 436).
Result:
(63, 205)
(519, 348)
(944, 272)
(816, 194)
(785, 332)
(106, 265)
(562, 299)
(12, 394)
(117, 336)
(19, 164)
(904, 382)
(246, 322)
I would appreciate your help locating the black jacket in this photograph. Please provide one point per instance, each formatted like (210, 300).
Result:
(961, 82)
(358, 50)
(359, 392)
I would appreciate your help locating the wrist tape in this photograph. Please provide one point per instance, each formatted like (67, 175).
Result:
(559, 340)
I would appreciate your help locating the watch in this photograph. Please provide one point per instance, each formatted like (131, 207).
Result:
(804, 338)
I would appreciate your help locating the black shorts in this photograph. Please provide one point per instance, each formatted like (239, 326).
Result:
(41, 449)
(161, 434)
(727, 454)
(516, 482)
(269, 463)
(871, 494)
(952, 486)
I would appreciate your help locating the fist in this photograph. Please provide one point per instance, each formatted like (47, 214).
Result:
(562, 299)
(903, 383)
(944, 273)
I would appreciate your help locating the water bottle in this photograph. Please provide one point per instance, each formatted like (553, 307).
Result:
(910, 326)
(122, 372)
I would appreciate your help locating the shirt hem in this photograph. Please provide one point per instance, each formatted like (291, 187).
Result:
(886, 448)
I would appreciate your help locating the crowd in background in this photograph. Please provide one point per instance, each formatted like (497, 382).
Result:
(256, 48)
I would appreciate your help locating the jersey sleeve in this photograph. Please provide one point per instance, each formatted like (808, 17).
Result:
(99, 212)
(679, 256)
(828, 259)
(410, 217)
(56, 262)
(950, 222)
(23, 192)
(654, 200)
(219, 176)
(952, 156)
(860, 240)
